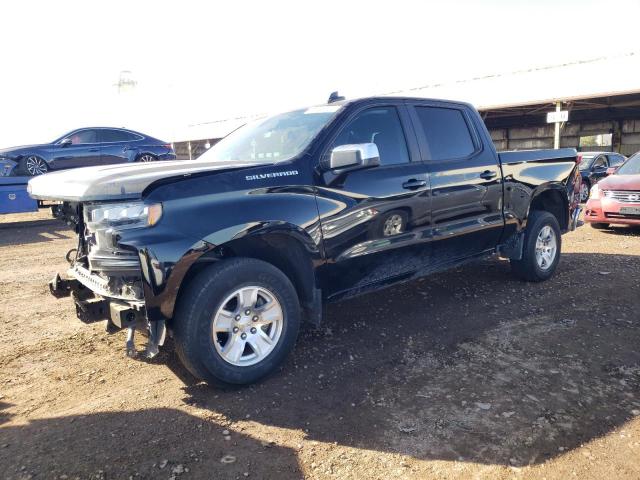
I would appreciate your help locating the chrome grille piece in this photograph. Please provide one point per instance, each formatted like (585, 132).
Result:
(626, 196)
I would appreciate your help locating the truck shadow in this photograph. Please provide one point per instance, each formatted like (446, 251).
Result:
(148, 443)
(35, 231)
(466, 365)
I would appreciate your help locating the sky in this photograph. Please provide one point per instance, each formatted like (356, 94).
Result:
(197, 62)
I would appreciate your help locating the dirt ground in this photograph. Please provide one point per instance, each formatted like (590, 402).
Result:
(465, 374)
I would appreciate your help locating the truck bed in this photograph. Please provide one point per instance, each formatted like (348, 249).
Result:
(514, 156)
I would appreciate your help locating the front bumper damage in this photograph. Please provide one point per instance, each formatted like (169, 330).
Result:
(90, 295)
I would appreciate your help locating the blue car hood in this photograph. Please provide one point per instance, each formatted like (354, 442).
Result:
(17, 150)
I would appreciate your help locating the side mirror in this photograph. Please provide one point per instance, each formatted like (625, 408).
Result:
(612, 170)
(357, 155)
(65, 142)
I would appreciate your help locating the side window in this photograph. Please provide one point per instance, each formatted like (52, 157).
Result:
(600, 162)
(382, 127)
(83, 136)
(446, 131)
(115, 136)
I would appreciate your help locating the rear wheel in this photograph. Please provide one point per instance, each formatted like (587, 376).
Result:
(33, 165)
(146, 157)
(237, 321)
(541, 251)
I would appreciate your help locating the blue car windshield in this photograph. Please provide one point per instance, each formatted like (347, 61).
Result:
(585, 163)
(272, 139)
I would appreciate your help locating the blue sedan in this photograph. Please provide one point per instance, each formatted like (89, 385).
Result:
(83, 148)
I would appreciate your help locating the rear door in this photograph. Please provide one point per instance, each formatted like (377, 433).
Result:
(373, 221)
(466, 182)
(84, 150)
(116, 145)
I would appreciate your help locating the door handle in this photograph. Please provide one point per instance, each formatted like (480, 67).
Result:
(413, 184)
(94, 149)
(488, 174)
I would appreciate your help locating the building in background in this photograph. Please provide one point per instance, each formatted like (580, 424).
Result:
(602, 97)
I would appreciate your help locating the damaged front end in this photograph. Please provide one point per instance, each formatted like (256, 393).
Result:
(105, 276)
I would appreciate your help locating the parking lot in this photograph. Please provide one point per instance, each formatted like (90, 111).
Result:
(465, 374)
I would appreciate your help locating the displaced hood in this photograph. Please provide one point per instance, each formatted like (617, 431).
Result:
(117, 182)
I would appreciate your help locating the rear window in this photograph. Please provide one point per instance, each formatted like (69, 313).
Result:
(446, 131)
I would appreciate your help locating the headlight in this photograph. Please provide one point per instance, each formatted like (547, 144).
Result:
(123, 215)
(595, 192)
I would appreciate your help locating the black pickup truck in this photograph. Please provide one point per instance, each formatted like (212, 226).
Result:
(228, 253)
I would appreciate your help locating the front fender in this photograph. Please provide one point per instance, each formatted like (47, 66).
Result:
(166, 257)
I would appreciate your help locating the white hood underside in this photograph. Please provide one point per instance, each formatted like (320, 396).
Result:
(116, 182)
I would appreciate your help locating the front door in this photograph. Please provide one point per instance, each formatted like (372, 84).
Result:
(466, 182)
(373, 221)
(83, 151)
(599, 168)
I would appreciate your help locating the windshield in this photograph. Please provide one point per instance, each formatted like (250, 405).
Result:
(631, 166)
(272, 139)
(62, 136)
(585, 163)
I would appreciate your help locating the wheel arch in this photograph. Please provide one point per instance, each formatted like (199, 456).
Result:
(287, 248)
(553, 199)
(137, 153)
(22, 158)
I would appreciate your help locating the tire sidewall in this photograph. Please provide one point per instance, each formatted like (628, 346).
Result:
(537, 221)
(588, 184)
(210, 300)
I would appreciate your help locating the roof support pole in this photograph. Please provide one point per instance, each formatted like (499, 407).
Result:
(556, 136)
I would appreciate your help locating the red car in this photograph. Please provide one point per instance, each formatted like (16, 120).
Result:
(616, 199)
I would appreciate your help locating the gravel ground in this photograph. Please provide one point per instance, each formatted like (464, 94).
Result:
(465, 374)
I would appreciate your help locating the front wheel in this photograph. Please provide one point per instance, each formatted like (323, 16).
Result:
(584, 191)
(237, 321)
(33, 165)
(541, 250)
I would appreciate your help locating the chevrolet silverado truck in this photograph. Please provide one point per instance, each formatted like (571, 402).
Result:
(228, 254)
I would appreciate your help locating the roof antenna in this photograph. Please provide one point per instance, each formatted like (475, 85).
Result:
(334, 97)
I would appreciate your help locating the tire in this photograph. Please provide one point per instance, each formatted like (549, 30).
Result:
(146, 158)
(33, 165)
(200, 307)
(529, 267)
(600, 226)
(584, 185)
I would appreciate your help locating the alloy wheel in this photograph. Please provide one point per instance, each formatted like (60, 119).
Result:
(36, 166)
(584, 192)
(546, 247)
(247, 326)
